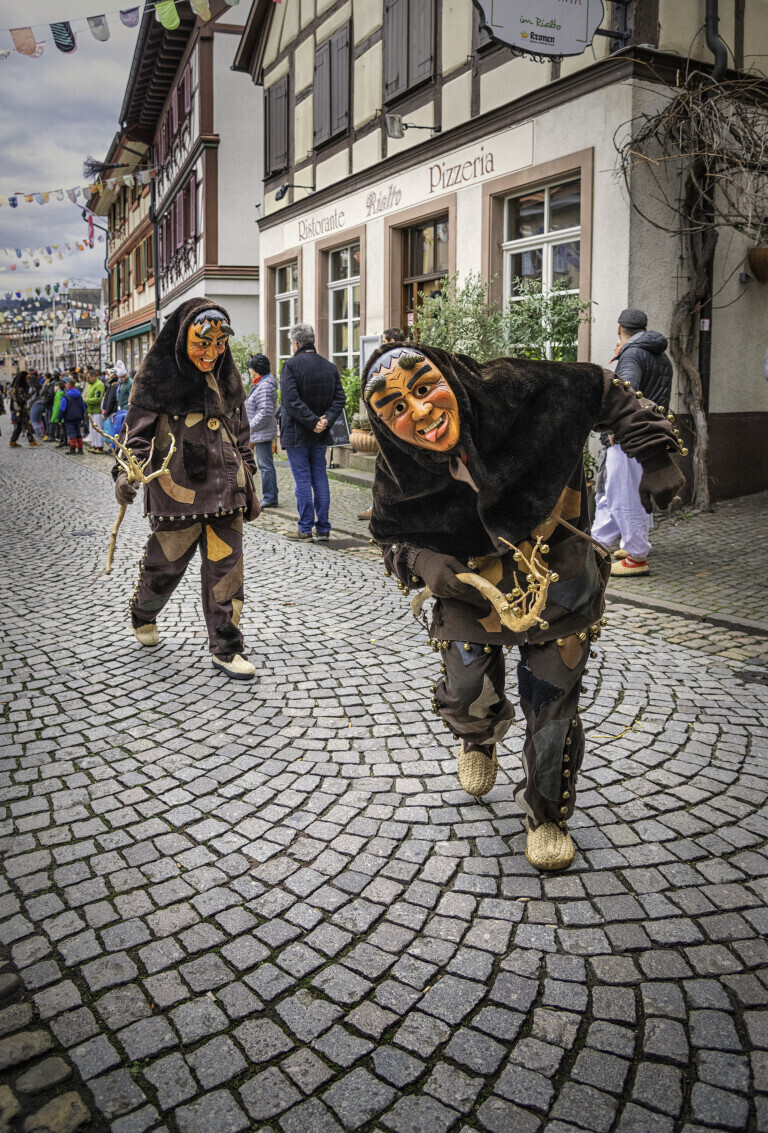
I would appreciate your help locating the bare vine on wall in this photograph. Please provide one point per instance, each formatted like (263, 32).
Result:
(706, 150)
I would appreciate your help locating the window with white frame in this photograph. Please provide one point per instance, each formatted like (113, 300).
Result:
(542, 230)
(286, 307)
(344, 306)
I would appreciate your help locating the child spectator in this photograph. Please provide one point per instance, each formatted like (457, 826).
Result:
(72, 414)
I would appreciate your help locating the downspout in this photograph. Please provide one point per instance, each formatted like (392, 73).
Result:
(720, 53)
(155, 239)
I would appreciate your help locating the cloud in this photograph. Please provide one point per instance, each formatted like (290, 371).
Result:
(56, 111)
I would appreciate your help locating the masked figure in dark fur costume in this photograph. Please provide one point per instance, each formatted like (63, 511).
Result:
(475, 458)
(188, 391)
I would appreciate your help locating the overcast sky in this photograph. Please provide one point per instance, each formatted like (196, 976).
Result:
(56, 110)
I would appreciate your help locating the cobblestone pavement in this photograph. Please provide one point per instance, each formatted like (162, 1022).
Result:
(269, 906)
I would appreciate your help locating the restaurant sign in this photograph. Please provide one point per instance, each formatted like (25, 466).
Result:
(542, 27)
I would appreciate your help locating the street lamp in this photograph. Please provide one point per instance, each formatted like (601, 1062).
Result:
(396, 127)
(284, 189)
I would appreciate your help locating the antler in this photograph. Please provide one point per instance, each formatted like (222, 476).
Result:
(135, 471)
(519, 610)
(133, 468)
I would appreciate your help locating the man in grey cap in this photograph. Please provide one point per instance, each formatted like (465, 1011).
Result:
(619, 514)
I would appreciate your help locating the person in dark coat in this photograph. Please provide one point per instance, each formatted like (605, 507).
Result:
(620, 516)
(20, 411)
(479, 496)
(311, 399)
(188, 394)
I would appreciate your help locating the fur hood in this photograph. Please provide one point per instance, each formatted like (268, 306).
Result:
(523, 428)
(167, 382)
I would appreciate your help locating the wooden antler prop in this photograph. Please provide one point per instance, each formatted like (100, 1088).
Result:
(135, 471)
(521, 609)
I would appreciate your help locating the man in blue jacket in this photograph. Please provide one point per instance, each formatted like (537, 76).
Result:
(311, 398)
(620, 514)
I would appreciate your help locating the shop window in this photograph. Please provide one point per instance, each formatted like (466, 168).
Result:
(286, 307)
(409, 35)
(344, 306)
(276, 127)
(542, 230)
(331, 87)
(425, 256)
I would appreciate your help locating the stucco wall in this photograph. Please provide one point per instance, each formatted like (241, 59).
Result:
(238, 119)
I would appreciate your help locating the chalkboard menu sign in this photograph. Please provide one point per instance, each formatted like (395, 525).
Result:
(340, 431)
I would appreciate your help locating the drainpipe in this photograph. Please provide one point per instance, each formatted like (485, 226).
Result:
(720, 53)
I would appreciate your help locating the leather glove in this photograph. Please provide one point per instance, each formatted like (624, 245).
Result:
(439, 574)
(125, 492)
(662, 480)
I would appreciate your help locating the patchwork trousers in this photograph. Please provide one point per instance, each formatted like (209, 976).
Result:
(170, 549)
(472, 701)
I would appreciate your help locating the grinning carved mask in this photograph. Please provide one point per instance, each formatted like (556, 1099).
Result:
(207, 340)
(411, 397)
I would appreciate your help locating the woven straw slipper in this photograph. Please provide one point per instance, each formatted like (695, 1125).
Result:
(549, 846)
(477, 773)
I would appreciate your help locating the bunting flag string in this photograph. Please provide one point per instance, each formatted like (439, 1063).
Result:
(80, 193)
(49, 253)
(25, 41)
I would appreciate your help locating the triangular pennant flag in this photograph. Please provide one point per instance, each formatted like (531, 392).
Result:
(71, 193)
(59, 194)
(99, 28)
(128, 179)
(129, 17)
(48, 249)
(46, 198)
(4, 54)
(166, 13)
(24, 41)
(201, 8)
(64, 37)
(29, 198)
(13, 202)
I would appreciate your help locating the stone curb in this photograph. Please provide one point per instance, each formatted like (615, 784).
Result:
(659, 606)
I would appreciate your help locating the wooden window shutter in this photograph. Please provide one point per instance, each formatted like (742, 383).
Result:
(192, 208)
(175, 112)
(340, 81)
(396, 46)
(322, 94)
(422, 41)
(187, 87)
(277, 126)
(150, 257)
(180, 220)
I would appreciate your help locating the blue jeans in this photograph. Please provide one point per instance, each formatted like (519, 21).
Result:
(311, 480)
(263, 452)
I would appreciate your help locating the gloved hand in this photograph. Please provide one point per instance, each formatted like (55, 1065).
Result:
(125, 492)
(662, 480)
(439, 574)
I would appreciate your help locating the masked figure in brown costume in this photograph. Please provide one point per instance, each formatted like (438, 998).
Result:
(475, 458)
(188, 391)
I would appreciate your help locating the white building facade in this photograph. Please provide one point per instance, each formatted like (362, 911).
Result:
(518, 182)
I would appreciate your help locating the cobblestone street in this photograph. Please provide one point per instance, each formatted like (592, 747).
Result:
(269, 906)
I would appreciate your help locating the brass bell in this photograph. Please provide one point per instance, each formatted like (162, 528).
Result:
(566, 772)
(616, 382)
(563, 809)
(487, 649)
(566, 794)
(414, 578)
(387, 573)
(517, 556)
(554, 577)
(627, 385)
(561, 641)
(582, 636)
(544, 548)
(544, 625)
(468, 646)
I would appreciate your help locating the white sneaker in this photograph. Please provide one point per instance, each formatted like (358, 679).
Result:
(238, 668)
(146, 634)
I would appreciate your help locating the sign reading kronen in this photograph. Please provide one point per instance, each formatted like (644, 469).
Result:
(542, 27)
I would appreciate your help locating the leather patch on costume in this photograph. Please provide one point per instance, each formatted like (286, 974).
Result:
(568, 506)
(549, 743)
(482, 705)
(211, 382)
(491, 624)
(163, 436)
(534, 690)
(152, 605)
(193, 419)
(575, 594)
(195, 460)
(572, 651)
(174, 543)
(240, 479)
(237, 523)
(228, 586)
(174, 490)
(237, 609)
(216, 548)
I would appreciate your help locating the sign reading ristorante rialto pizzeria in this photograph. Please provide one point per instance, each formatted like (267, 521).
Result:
(542, 27)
